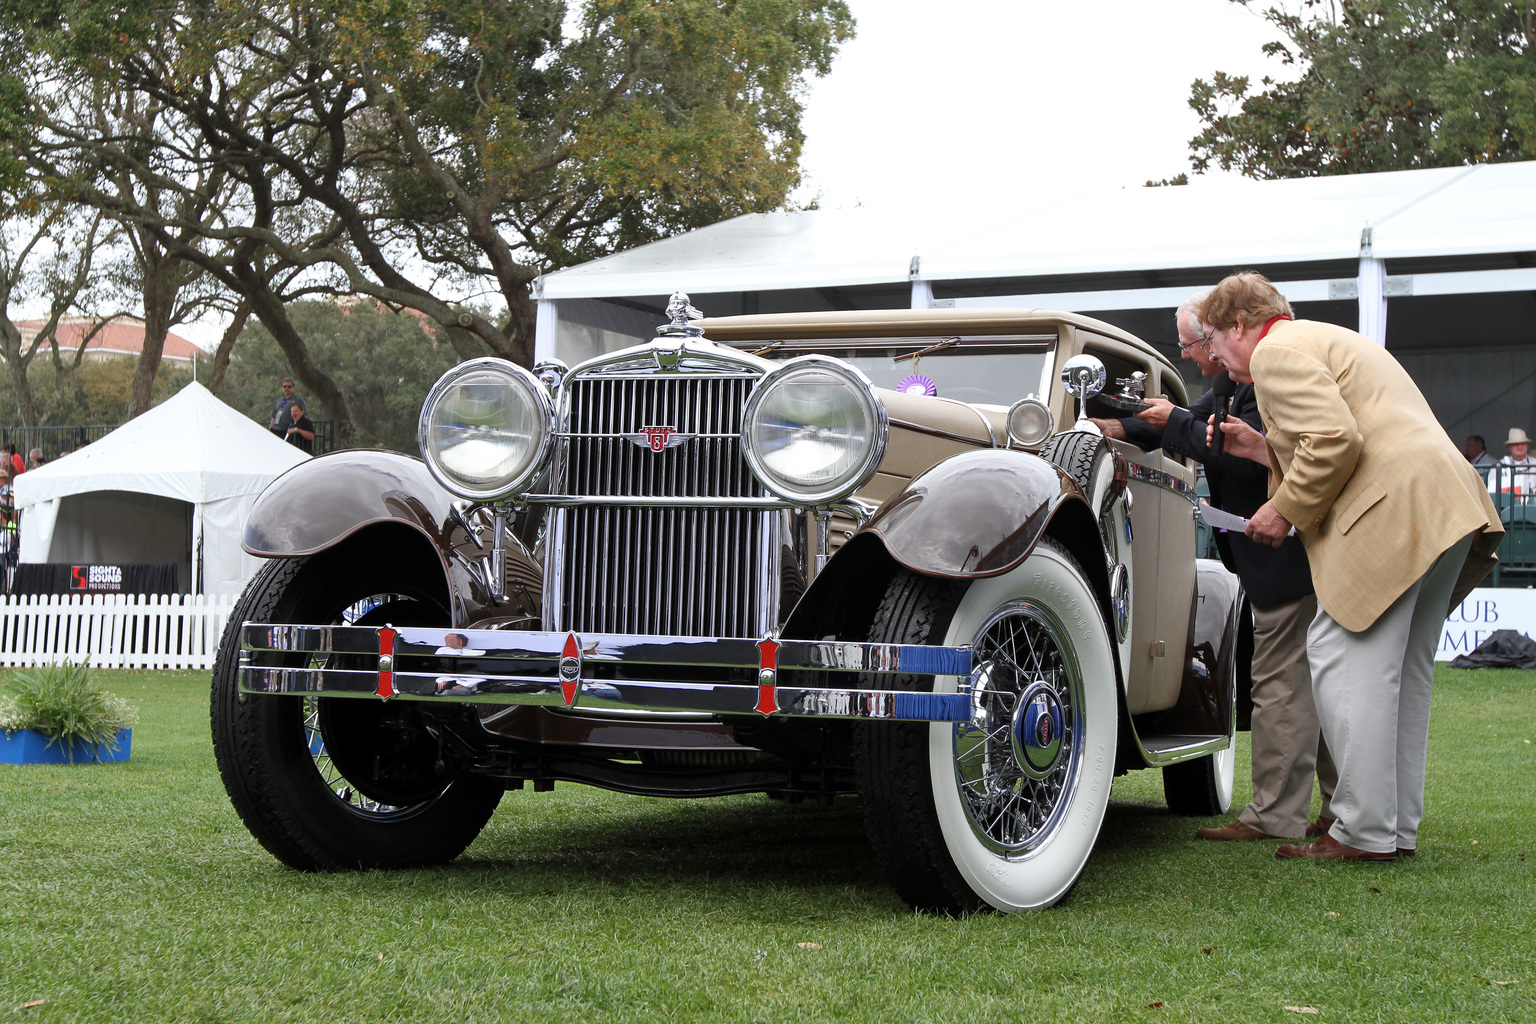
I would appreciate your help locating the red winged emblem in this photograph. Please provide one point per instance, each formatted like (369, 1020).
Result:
(658, 439)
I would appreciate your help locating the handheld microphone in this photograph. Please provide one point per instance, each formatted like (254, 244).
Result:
(1223, 387)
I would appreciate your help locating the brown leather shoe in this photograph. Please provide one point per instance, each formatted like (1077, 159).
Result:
(1237, 832)
(1406, 853)
(1329, 848)
(1320, 827)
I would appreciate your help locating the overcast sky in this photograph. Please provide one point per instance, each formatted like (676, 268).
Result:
(970, 98)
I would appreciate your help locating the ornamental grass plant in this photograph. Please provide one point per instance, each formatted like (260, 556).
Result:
(65, 704)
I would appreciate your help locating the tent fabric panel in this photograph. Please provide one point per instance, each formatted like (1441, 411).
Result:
(1490, 208)
(122, 527)
(761, 251)
(37, 530)
(226, 566)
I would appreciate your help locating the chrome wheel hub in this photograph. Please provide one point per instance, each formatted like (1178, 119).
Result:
(1016, 759)
(1037, 730)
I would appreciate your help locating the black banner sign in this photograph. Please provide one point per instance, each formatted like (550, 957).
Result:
(69, 578)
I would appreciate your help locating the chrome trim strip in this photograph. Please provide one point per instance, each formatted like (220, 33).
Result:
(655, 501)
(1162, 756)
(626, 695)
(1167, 481)
(919, 428)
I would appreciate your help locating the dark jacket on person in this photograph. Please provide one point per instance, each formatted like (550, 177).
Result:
(1240, 486)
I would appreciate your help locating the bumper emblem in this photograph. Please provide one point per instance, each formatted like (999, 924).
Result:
(386, 688)
(570, 670)
(767, 677)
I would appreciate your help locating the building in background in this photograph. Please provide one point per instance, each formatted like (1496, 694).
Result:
(121, 338)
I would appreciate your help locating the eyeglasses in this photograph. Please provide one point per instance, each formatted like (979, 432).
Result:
(1203, 340)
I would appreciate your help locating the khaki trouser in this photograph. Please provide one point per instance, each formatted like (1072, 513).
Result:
(1372, 691)
(1287, 743)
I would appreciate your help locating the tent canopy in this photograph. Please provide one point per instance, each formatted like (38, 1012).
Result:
(1209, 223)
(198, 461)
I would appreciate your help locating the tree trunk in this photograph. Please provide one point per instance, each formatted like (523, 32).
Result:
(269, 309)
(522, 320)
(163, 278)
(17, 361)
(226, 346)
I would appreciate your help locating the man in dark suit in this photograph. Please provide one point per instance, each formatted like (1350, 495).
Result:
(1287, 747)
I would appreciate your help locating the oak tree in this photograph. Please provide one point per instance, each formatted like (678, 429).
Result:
(421, 152)
(1377, 85)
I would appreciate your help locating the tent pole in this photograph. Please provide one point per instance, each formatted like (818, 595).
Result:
(195, 584)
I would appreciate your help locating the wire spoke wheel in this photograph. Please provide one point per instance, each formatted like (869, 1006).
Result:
(1001, 811)
(1018, 755)
(375, 609)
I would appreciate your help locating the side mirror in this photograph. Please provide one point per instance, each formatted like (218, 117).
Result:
(1083, 376)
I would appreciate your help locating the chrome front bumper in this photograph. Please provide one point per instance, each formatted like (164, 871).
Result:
(596, 671)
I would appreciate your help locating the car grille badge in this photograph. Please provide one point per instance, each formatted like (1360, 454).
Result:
(658, 439)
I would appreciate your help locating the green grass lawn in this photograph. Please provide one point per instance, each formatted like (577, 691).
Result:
(132, 892)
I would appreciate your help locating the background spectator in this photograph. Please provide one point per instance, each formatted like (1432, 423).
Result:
(301, 431)
(281, 420)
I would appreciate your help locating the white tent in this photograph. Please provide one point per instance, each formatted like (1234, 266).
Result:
(1437, 264)
(173, 485)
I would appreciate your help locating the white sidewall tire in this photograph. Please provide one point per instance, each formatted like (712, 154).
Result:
(1224, 770)
(1045, 875)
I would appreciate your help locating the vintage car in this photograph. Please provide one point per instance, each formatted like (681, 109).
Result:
(803, 555)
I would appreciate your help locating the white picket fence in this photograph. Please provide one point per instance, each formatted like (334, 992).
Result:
(113, 630)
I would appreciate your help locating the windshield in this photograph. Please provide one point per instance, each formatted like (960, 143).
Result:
(989, 371)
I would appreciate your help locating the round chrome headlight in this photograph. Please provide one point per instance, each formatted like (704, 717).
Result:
(813, 430)
(1030, 422)
(485, 428)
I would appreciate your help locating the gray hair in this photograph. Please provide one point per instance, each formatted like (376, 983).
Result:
(1189, 306)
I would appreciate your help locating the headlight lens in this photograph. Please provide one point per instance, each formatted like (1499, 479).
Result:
(814, 430)
(1030, 422)
(484, 428)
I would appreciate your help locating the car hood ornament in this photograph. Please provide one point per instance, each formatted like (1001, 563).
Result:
(679, 313)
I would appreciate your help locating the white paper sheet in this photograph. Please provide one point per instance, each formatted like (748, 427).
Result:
(1216, 518)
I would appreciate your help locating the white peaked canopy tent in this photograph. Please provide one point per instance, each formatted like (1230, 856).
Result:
(173, 485)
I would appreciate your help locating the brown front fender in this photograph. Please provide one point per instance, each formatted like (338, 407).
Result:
(977, 514)
(321, 502)
(346, 496)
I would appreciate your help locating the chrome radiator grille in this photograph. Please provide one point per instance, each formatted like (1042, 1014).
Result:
(619, 568)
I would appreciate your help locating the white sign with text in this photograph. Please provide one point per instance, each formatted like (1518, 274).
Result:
(1485, 610)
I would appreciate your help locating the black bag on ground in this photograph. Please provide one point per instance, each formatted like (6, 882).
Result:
(1504, 649)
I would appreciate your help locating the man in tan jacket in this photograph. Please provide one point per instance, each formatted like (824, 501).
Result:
(1396, 524)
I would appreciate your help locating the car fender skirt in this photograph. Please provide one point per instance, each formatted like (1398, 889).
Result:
(319, 503)
(977, 514)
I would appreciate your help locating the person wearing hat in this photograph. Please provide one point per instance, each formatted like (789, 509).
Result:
(1518, 483)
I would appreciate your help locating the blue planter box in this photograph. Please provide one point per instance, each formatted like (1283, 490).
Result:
(27, 747)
